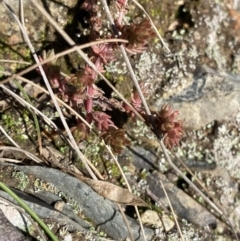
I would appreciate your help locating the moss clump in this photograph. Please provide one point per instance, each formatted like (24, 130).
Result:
(22, 179)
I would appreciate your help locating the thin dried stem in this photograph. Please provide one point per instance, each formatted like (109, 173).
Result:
(173, 213)
(14, 61)
(134, 79)
(73, 142)
(82, 54)
(153, 25)
(126, 221)
(17, 148)
(15, 144)
(128, 187)
(50, 58)
(195, 188)
(205, 189)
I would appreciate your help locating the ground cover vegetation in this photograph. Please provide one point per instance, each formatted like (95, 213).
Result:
(77, 132)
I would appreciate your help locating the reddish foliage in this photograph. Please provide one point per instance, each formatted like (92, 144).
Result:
(80, 132)
(116, 139)
(80, 92)
(105, 52)
(169, 127)
(138, 36)
(101, 120)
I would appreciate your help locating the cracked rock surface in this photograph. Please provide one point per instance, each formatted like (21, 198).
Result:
(8, 232)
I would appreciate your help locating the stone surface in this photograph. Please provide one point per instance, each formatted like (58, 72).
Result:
(8, 232)
(39, 31)
(19, 219)
(183, 205)
(167, 222)
(205, 34)
(35, 23)
(207, 99)
(150, 217)
(104, 213)
(45, 211)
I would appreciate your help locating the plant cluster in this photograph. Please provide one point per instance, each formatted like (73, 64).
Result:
(80, 92)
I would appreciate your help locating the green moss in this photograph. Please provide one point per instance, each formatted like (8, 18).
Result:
(22, 179)
(121, 78)
(113, 170)
(154, 12)
(144, 174)
(2, 69)
(17, 53)
(8, 121)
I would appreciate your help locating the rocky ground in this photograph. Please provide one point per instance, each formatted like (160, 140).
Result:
(200, 78)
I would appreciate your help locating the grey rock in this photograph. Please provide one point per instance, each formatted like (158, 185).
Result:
(183, 205)
(8, 232)
(104, 214)
(213, 95)
(34, 20)
(141, 158)
(43, 210)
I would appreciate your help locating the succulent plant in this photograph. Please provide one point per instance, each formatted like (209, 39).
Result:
(167, 126)
(138, 36)
(116, 139)
(80, 92)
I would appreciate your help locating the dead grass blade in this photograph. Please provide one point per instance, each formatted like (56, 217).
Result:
(18, 149)
(114, 192)
(10, 160)
(14, 61)
(72, 140)
(33, 114)
(153, 25)
(173, 213)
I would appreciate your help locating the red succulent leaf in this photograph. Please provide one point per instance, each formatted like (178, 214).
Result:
(173, 135)
(80, 132)
(88, 103)
(121, 4)
(89, 5)
(88, 76)
(116, 139)
(102, 120)
(167, 113)
(168, 126)
(136, 101)
(105, 52)
(138, 36)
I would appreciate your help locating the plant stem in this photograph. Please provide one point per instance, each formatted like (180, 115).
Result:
(29, 210)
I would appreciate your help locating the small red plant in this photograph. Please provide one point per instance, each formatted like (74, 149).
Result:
(116, 139)
(138, 36)
(168, 126)
(80, 92)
